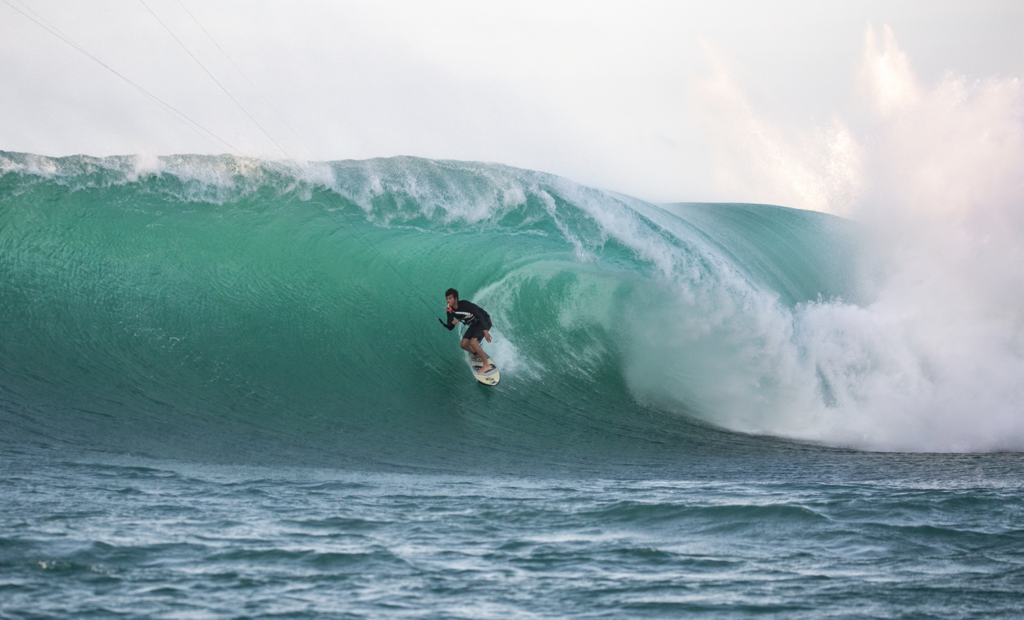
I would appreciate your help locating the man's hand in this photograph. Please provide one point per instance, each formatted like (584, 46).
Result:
(487, 335)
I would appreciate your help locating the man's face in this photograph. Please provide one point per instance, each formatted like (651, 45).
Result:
(452, 302)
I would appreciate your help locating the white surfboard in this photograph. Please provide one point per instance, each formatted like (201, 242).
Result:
(491, 377)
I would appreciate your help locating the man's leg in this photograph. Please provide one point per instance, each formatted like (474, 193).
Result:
(468, 348)
(476, 348)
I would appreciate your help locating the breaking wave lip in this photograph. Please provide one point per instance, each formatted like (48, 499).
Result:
(190, 303)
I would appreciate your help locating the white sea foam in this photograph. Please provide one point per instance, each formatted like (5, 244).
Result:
(936, 360)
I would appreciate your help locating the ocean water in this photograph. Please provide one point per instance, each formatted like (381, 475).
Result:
(224, 393)
(804, 534)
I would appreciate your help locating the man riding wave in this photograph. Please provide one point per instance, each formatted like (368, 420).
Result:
(477, 322)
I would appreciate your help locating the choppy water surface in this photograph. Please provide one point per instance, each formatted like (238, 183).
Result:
(827, 534)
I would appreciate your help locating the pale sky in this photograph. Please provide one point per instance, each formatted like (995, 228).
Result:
(607, 94)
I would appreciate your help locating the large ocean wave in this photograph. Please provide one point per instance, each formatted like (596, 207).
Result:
(241, 308)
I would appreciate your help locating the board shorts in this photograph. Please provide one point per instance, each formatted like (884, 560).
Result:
(476, 330)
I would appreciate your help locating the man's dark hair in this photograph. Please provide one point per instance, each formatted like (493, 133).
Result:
(452, 292)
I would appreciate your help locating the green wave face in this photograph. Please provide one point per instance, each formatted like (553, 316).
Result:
(217, 307)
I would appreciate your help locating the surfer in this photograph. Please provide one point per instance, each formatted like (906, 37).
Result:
(477, 321)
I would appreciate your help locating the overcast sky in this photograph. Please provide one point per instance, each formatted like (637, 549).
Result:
(607, 94)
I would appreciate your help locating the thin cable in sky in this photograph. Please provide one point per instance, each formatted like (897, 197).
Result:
(246, 78)
(212, 77)
(177, 114)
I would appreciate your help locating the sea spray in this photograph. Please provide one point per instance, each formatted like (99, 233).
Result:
(931, 357)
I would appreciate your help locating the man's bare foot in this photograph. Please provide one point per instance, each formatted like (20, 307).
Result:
(486, 369)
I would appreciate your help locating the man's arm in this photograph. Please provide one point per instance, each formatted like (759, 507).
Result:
(487, 324)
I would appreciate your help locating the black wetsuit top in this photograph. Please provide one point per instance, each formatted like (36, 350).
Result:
(476, 319)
